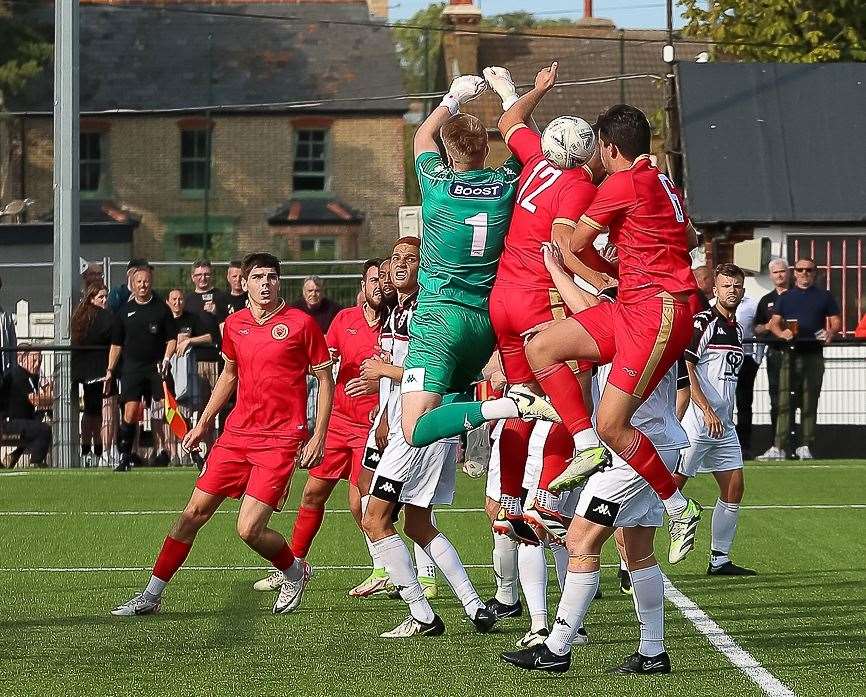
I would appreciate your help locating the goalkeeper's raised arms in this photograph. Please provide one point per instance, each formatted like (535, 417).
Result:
(463, 89)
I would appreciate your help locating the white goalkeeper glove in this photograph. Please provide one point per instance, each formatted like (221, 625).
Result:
(463, 89)
(500, 82)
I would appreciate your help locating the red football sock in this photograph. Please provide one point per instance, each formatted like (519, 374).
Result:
(643, 458)
(513, 450)
(283, 559)
(307, 524)
(171, 557)
(558, 449)
(561, 385)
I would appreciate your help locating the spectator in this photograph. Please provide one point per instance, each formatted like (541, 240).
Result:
(800, 317)
(316, 305)
(91, 275)
(389, 292)
(144, 335)
(91, 326)
(704, 279)
(8, 342)
(22, 397)
(119, 296)
(859, 330)
(780, 276)
(237, 297)
(210, 306)
(753, 352)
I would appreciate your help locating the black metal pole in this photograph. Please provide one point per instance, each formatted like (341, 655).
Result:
(208, 148)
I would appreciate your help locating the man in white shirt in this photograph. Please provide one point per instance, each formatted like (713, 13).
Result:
(753, 353)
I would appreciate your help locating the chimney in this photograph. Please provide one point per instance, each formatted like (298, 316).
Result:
(460, 47)
(378, 9)
(587, 9)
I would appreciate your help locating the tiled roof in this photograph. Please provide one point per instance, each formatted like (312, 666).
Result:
(319, 211)
(144, 58)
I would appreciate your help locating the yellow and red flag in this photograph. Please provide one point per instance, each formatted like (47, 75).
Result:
(173, 418)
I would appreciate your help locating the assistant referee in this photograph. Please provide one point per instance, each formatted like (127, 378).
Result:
(144, 336)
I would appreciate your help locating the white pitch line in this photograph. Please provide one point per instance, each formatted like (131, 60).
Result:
(14, 474)
(755, 507)
(725, 645)
(107, 569)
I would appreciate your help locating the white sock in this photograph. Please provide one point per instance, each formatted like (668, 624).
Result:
(423, 563)
(676, 504)
(377, 563)
(622, 565)
(155, 587)
(505, 569)
(533, 580)
(579, 591)
(502, 408)
(560, 560)
(724, 528)
(586, 438)
(649, 605)
(443, 553)
(394, 554)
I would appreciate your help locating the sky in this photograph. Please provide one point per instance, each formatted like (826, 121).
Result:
(645, 14)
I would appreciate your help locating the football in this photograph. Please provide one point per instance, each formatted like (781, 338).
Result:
(568, 142)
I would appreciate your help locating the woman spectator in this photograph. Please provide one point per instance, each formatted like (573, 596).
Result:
(91, 326)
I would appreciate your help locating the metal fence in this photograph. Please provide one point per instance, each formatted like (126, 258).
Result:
(60, 405)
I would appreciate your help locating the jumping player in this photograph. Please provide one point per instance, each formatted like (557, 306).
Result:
(352, 337)
(268, 349)
(466, 209)
(713, 361)
(642, 334)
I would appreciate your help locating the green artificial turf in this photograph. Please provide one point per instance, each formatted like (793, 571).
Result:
(803, 618)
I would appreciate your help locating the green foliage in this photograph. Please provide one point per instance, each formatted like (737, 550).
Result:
(798, 31)
(414, 46)
(25, 45)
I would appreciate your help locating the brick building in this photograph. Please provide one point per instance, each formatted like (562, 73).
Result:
(319, 174)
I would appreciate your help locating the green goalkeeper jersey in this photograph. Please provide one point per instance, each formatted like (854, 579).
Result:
(465, 216)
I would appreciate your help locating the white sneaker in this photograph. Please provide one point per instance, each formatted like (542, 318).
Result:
(804, 453)
(533, 638)
(531, 405)
(139, 605)
(292, 590)
(271, 583)
(411, 627)
(773, 453)
(376, 582)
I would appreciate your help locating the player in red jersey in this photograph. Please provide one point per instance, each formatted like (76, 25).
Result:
(352, 338)
(643, 333)
(268, 349)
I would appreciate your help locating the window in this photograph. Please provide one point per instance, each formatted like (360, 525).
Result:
(194, 160)
(311, 157)
(318, 248)
(92, 168)
(185, 236)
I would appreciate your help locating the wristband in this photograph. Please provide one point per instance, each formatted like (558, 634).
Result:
(509, 102)
(449, 101)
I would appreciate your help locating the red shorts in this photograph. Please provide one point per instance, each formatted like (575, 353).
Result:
(258, 467)
(642, 340)
(344, 451)
(514, 311)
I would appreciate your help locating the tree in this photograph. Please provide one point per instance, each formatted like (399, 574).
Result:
(419, 51)
(791, 31)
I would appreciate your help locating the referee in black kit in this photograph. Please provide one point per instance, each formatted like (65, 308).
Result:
(144, 336)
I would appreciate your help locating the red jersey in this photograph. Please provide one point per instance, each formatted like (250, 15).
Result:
(273, 356)
(352, 339)
(648, 224)
(545, 193)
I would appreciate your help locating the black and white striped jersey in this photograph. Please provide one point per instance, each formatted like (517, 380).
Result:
(394, 340)
(716, 351)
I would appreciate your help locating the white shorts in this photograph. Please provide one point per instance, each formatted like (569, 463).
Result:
(418, 476)
(531, 474)
(620, 498)
(710, 456)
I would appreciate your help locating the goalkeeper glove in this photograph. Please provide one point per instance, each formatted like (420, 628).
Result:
(500, 82)
(463, 89)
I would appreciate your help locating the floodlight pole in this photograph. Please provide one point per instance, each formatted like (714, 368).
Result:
(66, 218)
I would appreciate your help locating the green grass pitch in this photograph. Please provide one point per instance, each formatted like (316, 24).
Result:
(803, 618)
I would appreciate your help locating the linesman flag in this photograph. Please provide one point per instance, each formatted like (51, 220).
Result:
(173, 418)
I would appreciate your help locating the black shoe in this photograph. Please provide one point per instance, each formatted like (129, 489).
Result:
(643, 665)
(625, 582)
(538, 658)
(502, 611)
(135, 460)
(484, 620)
(161, 459)
(598, 594)
(516, 528)
(729, 569)
(435, 628)
(123, 465)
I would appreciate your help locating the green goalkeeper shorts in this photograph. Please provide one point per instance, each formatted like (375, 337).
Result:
(448, 346)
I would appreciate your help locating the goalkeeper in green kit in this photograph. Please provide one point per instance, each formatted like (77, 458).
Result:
(466, 209)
